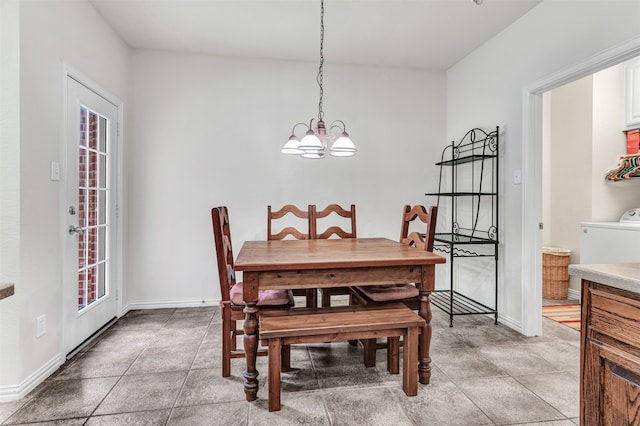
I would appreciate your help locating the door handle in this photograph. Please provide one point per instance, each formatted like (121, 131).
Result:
(74, 230)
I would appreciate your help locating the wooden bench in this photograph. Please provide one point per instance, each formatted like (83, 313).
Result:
(283, 328)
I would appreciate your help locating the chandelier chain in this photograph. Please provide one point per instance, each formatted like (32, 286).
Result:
(320, 77)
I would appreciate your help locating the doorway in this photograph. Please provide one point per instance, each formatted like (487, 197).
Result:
(90, 266)
(582, 139)
(532, 218)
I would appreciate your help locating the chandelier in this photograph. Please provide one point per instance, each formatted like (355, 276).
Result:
(314, 142)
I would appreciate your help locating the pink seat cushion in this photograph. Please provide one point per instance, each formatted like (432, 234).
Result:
(265, 297)
(388, 292)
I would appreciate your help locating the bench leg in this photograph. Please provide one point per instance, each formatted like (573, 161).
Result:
(410, 362)
(393, 355)
(369, 353)
(275, 361)
(286, 358)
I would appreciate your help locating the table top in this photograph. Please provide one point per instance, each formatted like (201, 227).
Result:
(285, 255)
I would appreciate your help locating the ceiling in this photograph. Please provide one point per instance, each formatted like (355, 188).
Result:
(423, 34)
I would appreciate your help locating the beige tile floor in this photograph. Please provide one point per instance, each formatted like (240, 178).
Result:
(162, 367)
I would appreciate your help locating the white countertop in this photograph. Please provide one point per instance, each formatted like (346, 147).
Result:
(625, 276)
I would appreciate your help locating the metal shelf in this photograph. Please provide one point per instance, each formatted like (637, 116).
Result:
(451, 238)
(454, 303)
(461, 194)
(468, 159)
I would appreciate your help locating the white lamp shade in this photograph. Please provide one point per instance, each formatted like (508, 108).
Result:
(292, 146)
(343, 147)
(310, 142)
(313, 155)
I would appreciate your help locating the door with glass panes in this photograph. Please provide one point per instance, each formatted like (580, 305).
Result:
(89, 271)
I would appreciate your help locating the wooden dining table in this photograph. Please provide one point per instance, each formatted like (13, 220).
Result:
(289, 264)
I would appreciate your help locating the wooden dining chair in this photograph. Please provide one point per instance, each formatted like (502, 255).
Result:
(345, 230)
(414, 234)
(291, 215)
(231, 298)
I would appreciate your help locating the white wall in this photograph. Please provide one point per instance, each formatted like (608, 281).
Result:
(570, 145)
(207, 131)
(50, 32)
(9, 185)
(486, 88)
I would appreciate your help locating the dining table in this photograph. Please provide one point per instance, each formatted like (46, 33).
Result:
(326, 263)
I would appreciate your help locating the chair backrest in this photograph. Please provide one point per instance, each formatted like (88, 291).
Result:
(416, 238)
(349, 216)
(224, 250)
(289, 231)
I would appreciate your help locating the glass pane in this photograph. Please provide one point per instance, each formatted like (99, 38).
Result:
(82, 210)
(82, 251)
(91, 284)
(103, 135)
(93, 169)
(82, 280)
(102, 253)
(83, 127)
(103, 171)
(92, 246)
(102, 280)
(102, 207)
(93, 130)
(82, 167)
(92, 207)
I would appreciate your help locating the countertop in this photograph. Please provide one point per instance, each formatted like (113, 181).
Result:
(625, 276)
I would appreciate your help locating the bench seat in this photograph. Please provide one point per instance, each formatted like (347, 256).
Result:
(315, 325)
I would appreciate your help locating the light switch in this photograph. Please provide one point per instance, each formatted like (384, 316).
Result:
(55, 170)
(517, 177)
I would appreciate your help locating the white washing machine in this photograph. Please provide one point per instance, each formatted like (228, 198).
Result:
(611, 242)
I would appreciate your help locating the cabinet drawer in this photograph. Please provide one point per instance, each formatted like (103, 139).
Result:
(613, 313)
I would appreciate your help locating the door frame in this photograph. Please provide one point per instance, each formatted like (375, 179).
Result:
(531, 277)
(69, 72)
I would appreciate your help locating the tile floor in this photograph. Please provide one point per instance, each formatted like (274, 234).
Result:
(162, 367)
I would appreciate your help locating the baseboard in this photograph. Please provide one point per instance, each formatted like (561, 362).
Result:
(574, 294)
(510, 322)
(160, 304)
(14, 393)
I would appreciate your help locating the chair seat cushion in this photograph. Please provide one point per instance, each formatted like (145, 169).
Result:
(265, 297)
(389, 292)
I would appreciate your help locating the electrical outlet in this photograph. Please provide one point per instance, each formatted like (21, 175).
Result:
(41, 325)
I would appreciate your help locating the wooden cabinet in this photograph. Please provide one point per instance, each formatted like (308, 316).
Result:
(610, 356)
(632, 94)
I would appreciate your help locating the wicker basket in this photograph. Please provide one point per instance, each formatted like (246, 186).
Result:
(555, 273)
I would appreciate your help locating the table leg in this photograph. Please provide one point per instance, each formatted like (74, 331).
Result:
(250, 290)
(424, 345)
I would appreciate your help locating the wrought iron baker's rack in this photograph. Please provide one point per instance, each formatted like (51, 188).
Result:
(473, 165)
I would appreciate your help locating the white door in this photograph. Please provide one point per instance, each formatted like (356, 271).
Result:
(89, 268)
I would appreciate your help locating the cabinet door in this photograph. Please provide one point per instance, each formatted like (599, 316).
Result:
(632, 94)
(610, 386)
